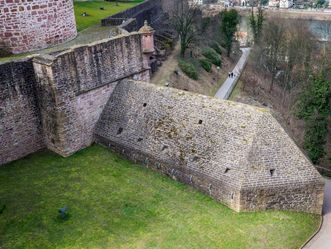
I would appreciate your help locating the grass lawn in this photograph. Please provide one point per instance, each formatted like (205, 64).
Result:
(92, 8)
(115, 204)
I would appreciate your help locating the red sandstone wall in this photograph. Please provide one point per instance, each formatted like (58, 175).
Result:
(27, 25)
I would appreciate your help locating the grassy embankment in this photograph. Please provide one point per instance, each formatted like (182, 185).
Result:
(115, 204)
(95, 14)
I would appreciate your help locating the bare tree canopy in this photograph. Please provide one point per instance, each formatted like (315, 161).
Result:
(184, 23)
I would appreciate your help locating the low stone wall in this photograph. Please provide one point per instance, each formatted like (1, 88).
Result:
(20, 124)
(149, 10)
(303, 197)
(236, 153)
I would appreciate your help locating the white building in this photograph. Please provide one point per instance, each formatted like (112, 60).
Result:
(285, 4)
(198, 2)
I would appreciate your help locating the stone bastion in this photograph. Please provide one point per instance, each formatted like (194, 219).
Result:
(32, 25)
(238, 154)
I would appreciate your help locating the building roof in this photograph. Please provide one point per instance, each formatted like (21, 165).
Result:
(241, 145)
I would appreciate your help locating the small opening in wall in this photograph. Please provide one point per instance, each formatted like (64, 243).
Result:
(140, 139)
(272, 171)
(164, 147)
(145, 104)
(120, 130)
(200, 121)
(226, 170)
(232, 196)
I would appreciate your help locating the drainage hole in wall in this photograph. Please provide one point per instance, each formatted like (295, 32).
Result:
(272, 171)
(120, 130)
(200, 121)
(140, 139)
(164, 147)
(145, 104)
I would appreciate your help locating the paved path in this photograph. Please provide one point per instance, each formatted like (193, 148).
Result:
(323, 239)
(226, 89)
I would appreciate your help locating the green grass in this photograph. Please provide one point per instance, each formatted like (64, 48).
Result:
(92, 8)
(114, 204)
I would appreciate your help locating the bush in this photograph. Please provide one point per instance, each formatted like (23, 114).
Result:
(189, 69)
(206, 64)
(212, 56)
(217, 47)
(314, 141)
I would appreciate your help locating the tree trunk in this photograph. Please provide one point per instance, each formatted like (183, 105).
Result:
(182, 51)
(272, 83)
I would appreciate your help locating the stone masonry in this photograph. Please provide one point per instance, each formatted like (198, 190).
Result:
(238, 154)
(27, 25)
(20, 126)
(55, 100)
(75, 85)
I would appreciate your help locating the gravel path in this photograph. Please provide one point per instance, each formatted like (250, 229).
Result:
(226, 89)
(323, 239)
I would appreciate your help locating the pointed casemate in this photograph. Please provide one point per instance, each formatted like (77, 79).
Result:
(147, 44)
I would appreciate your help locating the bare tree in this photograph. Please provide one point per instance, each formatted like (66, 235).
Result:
(299, 43)
(273, 51)
(184, 23)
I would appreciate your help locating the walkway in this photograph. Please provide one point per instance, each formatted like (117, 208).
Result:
(226, 89)
(323, 239)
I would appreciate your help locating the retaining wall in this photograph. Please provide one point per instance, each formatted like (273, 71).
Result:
(20, 123)
(150, 10)
(75, 85)
(55, 100)
(236, 153)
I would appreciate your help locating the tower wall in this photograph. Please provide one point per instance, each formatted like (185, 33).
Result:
(32, 25)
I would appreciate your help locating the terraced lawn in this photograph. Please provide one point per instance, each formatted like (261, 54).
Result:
(95, 14)
(115, 204)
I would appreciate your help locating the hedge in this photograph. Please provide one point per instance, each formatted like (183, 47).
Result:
(206, 64)
(212, 56)
(189, 69)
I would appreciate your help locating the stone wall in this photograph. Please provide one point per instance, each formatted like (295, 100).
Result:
(75, 85)
(20, 125)
(134, 18)
(55, 100)
(238, 154)
(37, 24)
